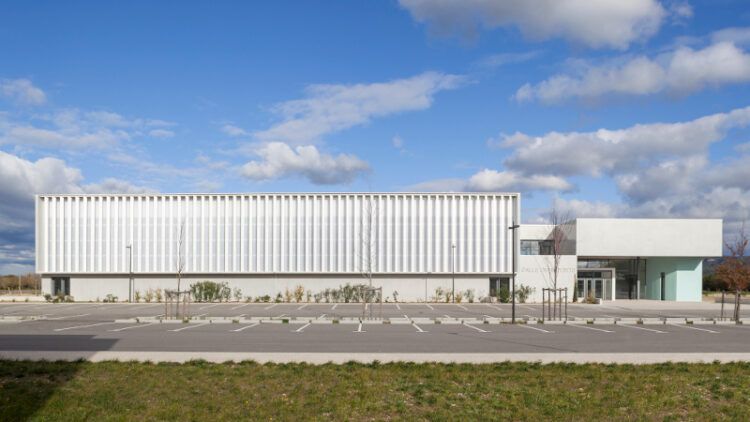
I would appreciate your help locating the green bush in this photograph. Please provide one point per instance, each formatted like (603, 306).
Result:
(523, 293)
(210, 291)
(503, 294)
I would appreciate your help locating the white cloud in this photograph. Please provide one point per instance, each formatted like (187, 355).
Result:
(616, 151)
(332, 108)
(504, 59)
(21, 180)
(596, 24)
(279, 160)
(233, 130)
(73, 129)
(160, 133)
(736, 35)
(680, 72)
(22, 91)
(488, 180)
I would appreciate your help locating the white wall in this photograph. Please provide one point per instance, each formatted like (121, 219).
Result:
(409, 288)
(629, 237)
(536, 271)
(275, 233)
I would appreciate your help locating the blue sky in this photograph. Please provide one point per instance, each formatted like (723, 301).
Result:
(598, 108)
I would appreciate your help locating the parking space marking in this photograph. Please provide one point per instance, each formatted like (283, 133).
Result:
(589, 328)
(694, 328)
(299, 330)
(527, 307)
(494, 307)
(359, 328)
(476, 328)
(66, 317)
(131, 326)
(534, 328)
(255, 324)
(334, 306)
(83, 326)
(462, 307)
(446, 315)
(428, 305)
(209, 306)
(188, 327)
(321, 316)
(643, 328)
(239, 316)
(419, 330)
(269, 307)
(398, 307)
(238, 307)
(281, 316)
(302, 307)
(198, 316)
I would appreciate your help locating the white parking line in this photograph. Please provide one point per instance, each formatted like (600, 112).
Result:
(398, 307)
(269, 307)
(255, 324)
(131, 326)
(476, 328)
(198, 316)
(359, 328)
(238, 307)
(334, 306)
(694, 328)
(642, 328)
(83, 326)
(321, 316)
(157, 316)
(534, 328)
(281, 316)
(66, 317)
(299, 330)
(462, 307)
(302, 307)
(428, 305)
(446, 315)
(419, 330)
(589, 328)
(239, 316)
(188, 327)
(494, 307)
(209, 306)
(527, 307)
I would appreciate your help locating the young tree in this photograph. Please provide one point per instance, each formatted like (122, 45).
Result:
(180, 265)
(368, 247)
(735, 270)
(557, 244)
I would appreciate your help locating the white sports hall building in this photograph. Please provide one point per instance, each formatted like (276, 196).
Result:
(91, 246)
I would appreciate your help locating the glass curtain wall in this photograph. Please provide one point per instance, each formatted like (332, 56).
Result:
(627, 272)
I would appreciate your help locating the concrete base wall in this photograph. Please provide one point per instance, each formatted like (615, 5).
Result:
(408, 288)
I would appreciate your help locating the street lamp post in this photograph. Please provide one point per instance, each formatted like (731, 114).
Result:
(513, 228)
(453, 271)
(130, 272)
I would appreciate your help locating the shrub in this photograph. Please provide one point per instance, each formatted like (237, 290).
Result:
(48, 297)
(448, 296)
(308, 295)
(317, 297)
(149, 296)
(237, 293)
(278, 297)
(249, 299)
(469, 295)
(265, 298)
(209, 291)
(438, 294)
(503, 294)
(158, 295)
(137, 296)
(395, 296)
(459, 297)
(110, 298)
(523, 293)
(299, 293)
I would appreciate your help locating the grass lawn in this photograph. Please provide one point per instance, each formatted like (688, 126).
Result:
(232, 391)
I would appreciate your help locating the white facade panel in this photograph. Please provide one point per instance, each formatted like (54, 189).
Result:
(644, 237)
(410, 233)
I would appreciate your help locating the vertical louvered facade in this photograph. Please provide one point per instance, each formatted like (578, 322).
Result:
(285, 233)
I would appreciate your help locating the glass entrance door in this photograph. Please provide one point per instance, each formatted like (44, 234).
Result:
(594, 284)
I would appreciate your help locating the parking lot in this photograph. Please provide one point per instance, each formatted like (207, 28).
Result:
(298, 328)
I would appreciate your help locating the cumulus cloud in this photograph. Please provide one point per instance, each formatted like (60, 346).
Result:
(682, 71)
(609, 151)
(160, 133)
(21, 180)
(22, 91)
(596, 24)
(488, 180)
(279, 160)
(736, 35)
(332, 108)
